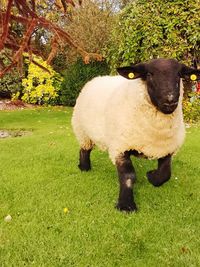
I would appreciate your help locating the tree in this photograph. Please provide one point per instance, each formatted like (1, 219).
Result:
(151, 29)
(91, 24)
(31, 17)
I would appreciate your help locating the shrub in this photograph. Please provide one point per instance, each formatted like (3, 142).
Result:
(75, 78)
(150, 29)
(191, 108)
(10, 84)
(40, 86)
(91, 25)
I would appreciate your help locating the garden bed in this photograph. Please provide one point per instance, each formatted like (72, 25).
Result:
(6, 104)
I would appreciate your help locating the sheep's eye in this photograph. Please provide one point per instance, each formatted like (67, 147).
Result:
(149, 74)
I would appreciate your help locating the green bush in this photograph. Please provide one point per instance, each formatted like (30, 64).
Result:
(75, 78)
(10, 84)
(191, 108)
(150, 29)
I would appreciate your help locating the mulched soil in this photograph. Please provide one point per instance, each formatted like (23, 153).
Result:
(6, 104)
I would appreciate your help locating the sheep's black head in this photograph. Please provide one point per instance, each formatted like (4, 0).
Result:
(163, 80)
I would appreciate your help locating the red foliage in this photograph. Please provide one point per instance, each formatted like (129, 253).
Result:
(31, 20)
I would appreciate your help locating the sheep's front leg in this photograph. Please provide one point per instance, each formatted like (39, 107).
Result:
(162, 174)
(84, 160)
(127, 177)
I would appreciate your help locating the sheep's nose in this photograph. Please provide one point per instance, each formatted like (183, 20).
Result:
(168, 108)
(170, 104)
(170, 101)
(170, 97)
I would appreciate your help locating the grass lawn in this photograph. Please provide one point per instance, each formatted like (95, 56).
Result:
(39, 178)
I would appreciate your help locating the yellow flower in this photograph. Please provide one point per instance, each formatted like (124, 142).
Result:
(39, 84)
(66, 210)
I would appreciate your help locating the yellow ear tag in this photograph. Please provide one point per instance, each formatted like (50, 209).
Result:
(131, 75)
(193, 77)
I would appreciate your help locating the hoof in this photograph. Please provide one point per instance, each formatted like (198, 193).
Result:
(156, 178)
(84, 167)
(126, 207)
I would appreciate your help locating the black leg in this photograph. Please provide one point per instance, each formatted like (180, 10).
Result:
(162, 174)
(127, 176)
(84, 160)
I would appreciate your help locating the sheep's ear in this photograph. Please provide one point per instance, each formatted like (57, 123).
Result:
(189, 73)
(132, 72)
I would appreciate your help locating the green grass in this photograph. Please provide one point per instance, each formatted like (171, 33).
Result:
(39, 178)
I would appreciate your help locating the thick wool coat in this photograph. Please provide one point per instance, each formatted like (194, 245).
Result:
(117, 115)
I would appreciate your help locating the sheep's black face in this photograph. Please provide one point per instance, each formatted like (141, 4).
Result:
(163, 84)
(163, 80)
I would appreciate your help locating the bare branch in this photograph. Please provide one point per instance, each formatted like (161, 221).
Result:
(6, 24)
(25, 40)
(54, 45)
(39, 65)
(29, 18)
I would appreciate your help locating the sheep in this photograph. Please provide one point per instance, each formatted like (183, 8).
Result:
(138, 112)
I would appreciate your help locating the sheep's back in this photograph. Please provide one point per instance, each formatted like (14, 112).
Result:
(89, 111)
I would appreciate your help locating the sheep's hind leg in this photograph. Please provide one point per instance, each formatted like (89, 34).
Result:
(127, 177)
(84, 159)
(162, 174)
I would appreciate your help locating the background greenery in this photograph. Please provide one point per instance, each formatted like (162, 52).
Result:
(123, 31)
(191, 108)
(150, 29)
(10, 83)
(39, 178)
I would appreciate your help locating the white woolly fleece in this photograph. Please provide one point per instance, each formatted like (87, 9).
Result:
(117, 115)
